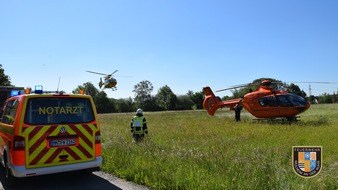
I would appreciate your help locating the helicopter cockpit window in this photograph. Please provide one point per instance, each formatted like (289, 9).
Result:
(262, 102)
(283, 101)
(272, 101)
(296, 100)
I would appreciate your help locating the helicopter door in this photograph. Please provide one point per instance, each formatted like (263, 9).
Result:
(270, 103)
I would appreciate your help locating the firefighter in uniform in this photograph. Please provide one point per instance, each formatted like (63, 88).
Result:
(238, 108)
(139, 126)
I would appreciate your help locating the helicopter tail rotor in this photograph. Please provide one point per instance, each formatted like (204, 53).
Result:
(100, 83)
(211, 103)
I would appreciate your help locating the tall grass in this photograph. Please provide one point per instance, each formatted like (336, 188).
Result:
(190, 150)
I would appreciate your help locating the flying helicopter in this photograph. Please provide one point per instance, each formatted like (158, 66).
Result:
(109, 80)
(264, 103)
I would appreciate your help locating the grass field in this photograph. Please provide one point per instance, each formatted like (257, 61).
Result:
(191, 150)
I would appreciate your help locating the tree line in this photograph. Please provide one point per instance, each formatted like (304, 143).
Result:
(166, 100)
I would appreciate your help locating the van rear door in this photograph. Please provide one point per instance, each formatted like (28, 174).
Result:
(59, 130)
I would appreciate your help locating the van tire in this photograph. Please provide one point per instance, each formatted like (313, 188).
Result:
(10, 179)
(86, 172)
(90, 171)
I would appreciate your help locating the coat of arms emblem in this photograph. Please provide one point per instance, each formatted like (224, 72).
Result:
(307, 160)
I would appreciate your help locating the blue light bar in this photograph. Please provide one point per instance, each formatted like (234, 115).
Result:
(15, 93)
(38, 89)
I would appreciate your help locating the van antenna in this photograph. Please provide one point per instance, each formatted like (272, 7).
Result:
(58, 84)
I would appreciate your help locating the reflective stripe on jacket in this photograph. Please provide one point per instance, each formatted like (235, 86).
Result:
(138, 125)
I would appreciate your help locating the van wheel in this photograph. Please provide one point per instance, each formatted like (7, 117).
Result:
(10, 179)
(90, 171)
(86, 172)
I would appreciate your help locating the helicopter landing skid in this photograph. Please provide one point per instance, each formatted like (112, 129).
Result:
(282, 120)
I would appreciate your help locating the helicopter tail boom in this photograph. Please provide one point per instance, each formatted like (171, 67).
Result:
(211, 103)
(100, 83)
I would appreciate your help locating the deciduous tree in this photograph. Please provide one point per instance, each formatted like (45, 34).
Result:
(184, 102)
(165, 98)
(88, 88)
(197, 98)
(142, 92)
(4, 79)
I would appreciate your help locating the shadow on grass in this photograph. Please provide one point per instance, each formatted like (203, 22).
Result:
(317, 122)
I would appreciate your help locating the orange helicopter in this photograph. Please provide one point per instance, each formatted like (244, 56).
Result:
(265, 102)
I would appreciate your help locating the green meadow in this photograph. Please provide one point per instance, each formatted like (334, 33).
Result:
(191, 150)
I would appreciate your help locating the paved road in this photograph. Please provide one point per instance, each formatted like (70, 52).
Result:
(72, 180)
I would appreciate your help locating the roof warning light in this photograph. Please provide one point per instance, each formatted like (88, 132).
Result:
(15, 93)
(28, 90)
(38, 89)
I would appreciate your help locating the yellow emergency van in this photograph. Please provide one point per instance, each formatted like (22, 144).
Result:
(49, 133)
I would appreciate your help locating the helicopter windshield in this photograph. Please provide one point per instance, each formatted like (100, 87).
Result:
(284, 100)
(296, 100)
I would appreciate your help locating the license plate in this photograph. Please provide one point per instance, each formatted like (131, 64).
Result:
(62, 142)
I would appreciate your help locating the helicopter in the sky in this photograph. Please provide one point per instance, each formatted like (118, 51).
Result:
(265, 102)
(108, 82)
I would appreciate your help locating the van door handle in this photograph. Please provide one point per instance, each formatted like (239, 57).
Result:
(63, 156)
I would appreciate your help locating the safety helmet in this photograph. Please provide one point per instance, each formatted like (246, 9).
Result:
(139, 112)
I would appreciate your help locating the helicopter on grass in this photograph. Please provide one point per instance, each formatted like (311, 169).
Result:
(264, 103)
(108, 82)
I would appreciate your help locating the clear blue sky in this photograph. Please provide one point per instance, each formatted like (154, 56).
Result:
(185, 44)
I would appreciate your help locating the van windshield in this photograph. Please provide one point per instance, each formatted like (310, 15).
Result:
(58, 110)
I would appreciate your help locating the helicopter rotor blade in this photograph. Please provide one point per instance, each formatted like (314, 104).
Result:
(243, 85)
(114, 72)
(96, 73)
(315, 82)
(276, 82)
(233, 87)
(253, 84)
